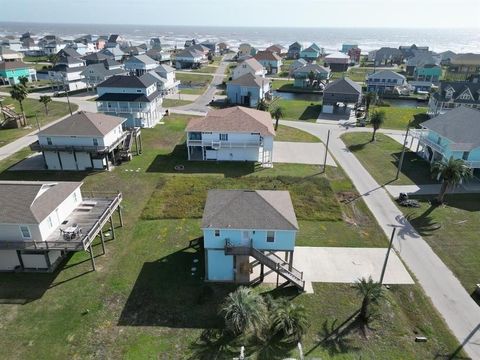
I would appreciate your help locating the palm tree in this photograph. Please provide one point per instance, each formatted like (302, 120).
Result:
(19, 93)
(376, 119)
(23, 80)
(290, 320)
(277, 113)
(45, 99)
(244, 310)
(372, 292)
(451, 172)
(311, 77)
(262, 105)
(369, 98)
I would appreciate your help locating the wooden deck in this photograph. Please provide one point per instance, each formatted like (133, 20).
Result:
(90, 216)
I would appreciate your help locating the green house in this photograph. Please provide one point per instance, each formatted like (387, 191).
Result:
(12, 71)
(428, 73)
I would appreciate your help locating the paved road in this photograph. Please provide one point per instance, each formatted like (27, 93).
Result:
(460, 312)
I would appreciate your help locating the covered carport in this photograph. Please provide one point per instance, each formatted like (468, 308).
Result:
(340, 95)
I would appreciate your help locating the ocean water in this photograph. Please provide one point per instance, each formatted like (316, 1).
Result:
(457, 40)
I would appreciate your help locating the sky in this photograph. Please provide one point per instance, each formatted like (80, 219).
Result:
(250, 13)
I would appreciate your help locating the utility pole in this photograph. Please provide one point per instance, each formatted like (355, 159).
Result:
(326, 152)
(402, 156)
(387, 255)
(66, 93)
(36, 119)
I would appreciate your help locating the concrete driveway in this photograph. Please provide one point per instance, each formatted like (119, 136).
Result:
(300, 153)
(345, 265)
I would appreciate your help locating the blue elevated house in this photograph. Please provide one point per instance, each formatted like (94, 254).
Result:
(248, 90)
(242, 224)
(453, 134)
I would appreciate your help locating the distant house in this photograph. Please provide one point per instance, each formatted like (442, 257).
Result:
(136, 98)
(355, 55)
(41, 222)
(12, 71)
(271, 61)
(423, 60)
(386, 56)
(83, 141)
(12, 44)
(96, 58)
(189, 43)
(446, 57)
(114, 41)
(294, 50)
(248, 90)
(223, 47)
(453, 134)
(212, 46)
(190, 58)
(278, 49)
(67, 73)
(298, 63)
(249, 66)
(240, 224)
(231, 134)
(139, 65)
(7, 54)
(410, 50)
(310, 75)
(115, 52)
(465, 65)
(385, 81)
(134, 50)
(312, 53)
(246, 50)
(452, 94)
(100, 43)
(337, 62)
(162, 57)
(344, 91)
(347, 47)
(166, 80)
(95, 74)
(428, 72)
(155, 43)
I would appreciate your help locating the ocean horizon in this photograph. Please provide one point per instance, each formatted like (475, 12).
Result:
(459, 40)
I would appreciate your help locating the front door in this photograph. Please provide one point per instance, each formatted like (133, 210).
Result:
(246, 238)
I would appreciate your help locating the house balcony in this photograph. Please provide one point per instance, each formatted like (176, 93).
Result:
(36, 146)
(122, 109)
(422, 136)
(89, 217)
(225, 144)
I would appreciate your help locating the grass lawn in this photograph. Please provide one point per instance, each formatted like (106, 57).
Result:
(55, 110)
(358, 74)
(452, 232)
(300, 109)
(276, 84)
(398, 117)
(381, 157)
(206, 69)
(287, 133)
(175, 102)
(198, 82)
(144, 302)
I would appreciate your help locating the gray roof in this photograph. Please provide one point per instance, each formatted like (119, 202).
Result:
(245, 209)
(129, 81)
(164, 69)
(315, 68)
(459, 87)
(249, 80)
(386, 74)
(101, 71)
(343, 86)
(145, 59)
(84, 124)
(460, 125)
(30, 202)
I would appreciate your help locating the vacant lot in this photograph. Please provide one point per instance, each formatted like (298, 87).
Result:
(381, 159)
(144, 302)
(175, 102)
(287, 133)
(399, 118)
(300, 109)
(196, 83)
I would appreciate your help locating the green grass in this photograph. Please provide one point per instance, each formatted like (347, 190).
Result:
(452, 232)
(27, 58)
(206, 69)
(200, 82)
(358, 74)
(381, 157)
(287, 133)
(398, 117)
(300, 109)
(277, 84)
(55, 110)
(144, 302)
(175, 102)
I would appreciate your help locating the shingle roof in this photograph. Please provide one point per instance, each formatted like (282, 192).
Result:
(246, 209)
(100, 69)
(30, 202)
(458, 87)
(9, 65)
(129, 97)
(343, 86)
(466, 59)
(267, 55)
(69, 52)
(386, 74)
(84, 124)
(249, 80)
(234, 119)
(97, 56)
(460, 125)
(253, 64)
(147, 60)
(163, 68)
(129, 81)
(311, 67)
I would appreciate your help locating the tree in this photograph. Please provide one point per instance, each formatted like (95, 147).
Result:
(311, 77)
(289, 320)
(376, 119)
(19, 93)
(53, 58)
(372, 292)
(277, 113)
(451, 172)
(45, 99)
(243, 311)
(369, 98)
(262, 105)
(23, 80)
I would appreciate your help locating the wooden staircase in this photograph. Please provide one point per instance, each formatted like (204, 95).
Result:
(270, 260)
(9, 118)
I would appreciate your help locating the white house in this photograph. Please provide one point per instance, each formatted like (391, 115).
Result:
(140, 64)
(251, 66)
(67, 73)
(167, 82)
(135, 97)
(232, 134)
(83, 141)
(42, 221)
(385, 81)
(190, 58)
(96, 73)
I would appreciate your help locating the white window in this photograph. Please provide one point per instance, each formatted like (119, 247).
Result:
(270, 236)
(25, 232)
(217, 233)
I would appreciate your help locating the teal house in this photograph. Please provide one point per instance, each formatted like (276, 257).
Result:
(453, 134)
(242, 224)
(429, 72)
(12, 71)
(312, 53)
(310, 76)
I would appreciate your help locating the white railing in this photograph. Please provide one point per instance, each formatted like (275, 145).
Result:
(225, 144)
(473, 164)
(123, 110)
